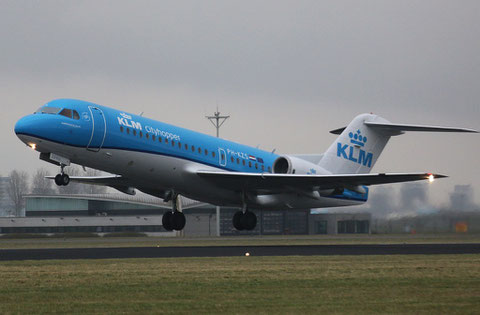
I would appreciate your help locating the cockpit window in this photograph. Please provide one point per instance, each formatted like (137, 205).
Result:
(66, 112)
(47, 110)
(76, 116)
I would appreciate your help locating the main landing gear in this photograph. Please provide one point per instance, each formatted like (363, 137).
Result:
(62, 179)
(244, 220)
(173, 220)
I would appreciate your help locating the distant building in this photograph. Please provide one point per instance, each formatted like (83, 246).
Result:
(101, 225)
(93, 205)
(461, 199)
(122, 213)
(269, 222)
(413, 196)
(340, 223)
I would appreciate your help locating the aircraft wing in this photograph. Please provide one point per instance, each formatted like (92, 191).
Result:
(273, 183)
(115, 181)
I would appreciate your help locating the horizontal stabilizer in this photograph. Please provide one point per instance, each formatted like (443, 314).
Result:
(398, 128)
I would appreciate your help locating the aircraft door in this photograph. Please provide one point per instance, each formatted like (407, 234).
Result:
(99, 129)
(222, 157)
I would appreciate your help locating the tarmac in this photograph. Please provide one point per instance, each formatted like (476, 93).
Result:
(226, 251)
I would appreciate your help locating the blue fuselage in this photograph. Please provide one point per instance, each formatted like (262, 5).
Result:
(154, 156)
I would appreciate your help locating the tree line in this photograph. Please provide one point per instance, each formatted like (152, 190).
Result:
(20, 183)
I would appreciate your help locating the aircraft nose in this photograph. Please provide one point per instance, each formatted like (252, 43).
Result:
(23, 125)
(28, 125)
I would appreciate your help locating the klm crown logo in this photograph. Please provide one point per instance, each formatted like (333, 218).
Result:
(126, 116)
(357, 138)
(354, 152)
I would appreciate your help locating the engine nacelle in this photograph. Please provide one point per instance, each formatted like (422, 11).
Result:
(287, 164)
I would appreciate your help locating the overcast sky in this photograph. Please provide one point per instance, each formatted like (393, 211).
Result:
(286, 71)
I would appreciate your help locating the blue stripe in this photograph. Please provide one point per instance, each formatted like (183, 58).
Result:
(352, 195)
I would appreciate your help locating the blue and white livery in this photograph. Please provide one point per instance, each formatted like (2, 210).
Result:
(167, 161)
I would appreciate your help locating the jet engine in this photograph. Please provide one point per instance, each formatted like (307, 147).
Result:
(287, 164)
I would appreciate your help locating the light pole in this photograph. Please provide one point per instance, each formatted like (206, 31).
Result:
(217, 120)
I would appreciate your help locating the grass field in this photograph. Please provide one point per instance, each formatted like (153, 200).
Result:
(72, 242)
(319, 284)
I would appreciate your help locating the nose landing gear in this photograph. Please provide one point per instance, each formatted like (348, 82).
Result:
(62, 179)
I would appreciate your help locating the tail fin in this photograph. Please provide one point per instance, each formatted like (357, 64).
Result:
(360, 144)
(357, 148)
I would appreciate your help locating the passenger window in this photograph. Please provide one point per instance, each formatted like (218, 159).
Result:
(128, 131)
(173, 143)
(186, 146)
(141, 134)
(147, 135)
(200, 150)
(153, 137)
(66, 112)
(193, 148)
(213, 153)
(243, 162)
(134, 132)
(206, 152)
(76, 116)
(166, 140)
(223, 156)
(256, 166)
(263, 167)
(121, 128)
(269, 169)
(238, 161)
(179, 145)
(232, 159)
(159, 139)
(249, 164)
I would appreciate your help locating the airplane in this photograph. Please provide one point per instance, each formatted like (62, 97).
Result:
(168, 161)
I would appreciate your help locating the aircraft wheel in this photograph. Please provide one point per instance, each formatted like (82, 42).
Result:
(58, 180)
(237, 220)
(65, 179)
(167, 221)
(178, 220)
(249, 220)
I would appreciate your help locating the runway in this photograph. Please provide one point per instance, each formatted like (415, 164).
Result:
(225, 251)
